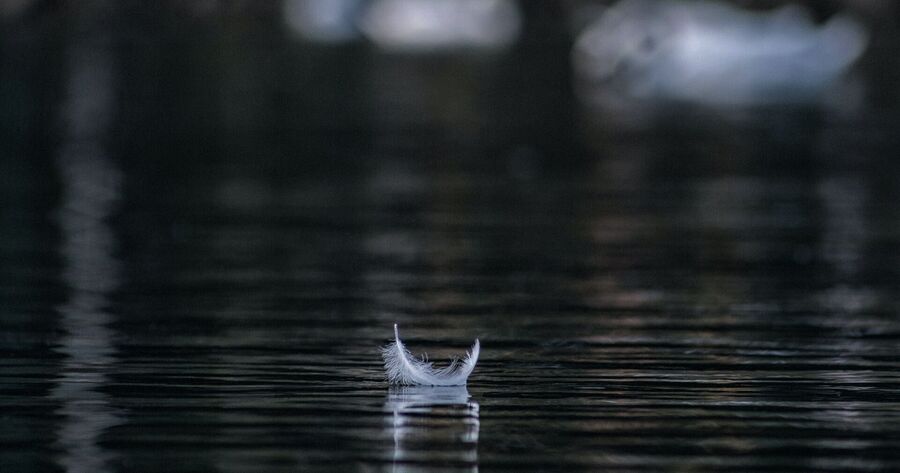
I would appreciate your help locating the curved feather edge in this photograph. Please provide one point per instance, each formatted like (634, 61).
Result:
(401, 367)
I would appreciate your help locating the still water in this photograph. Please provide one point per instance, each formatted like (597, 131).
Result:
(206, 237)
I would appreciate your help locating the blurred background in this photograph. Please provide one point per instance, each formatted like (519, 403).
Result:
(674, 225)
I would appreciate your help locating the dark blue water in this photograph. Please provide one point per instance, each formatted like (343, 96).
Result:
(208, 230)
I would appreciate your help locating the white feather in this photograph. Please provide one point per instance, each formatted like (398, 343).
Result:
(402, 367)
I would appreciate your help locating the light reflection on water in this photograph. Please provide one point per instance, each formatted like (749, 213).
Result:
(91, 190)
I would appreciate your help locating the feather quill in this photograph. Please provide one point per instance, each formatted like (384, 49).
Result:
(403, 368)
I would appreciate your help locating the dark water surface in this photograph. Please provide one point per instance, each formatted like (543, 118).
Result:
(206, 237)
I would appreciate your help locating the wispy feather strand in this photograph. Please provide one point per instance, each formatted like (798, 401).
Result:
(402, 367)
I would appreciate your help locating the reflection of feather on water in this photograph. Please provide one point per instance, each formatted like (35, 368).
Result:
(401, 367)
(422, 399)
(436, 424)
(714, 54)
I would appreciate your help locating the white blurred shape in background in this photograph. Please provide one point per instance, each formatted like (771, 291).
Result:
(713, 54)
(423, 26)
(323, 21)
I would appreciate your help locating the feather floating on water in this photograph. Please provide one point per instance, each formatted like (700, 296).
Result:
(402, 367)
